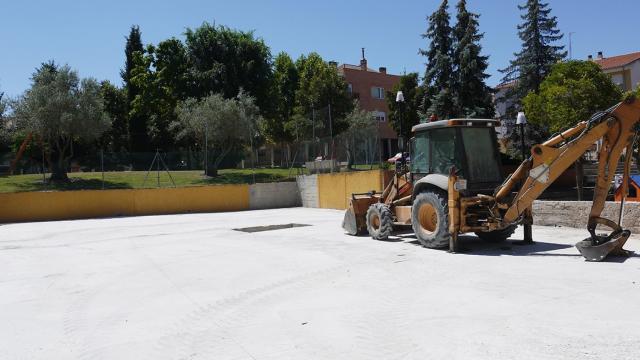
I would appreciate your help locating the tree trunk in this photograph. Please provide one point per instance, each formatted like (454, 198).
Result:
(59, 170)
(212, 171)
(350, 150)
(59, 162)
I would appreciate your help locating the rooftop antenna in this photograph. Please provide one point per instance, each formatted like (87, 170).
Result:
(362, 53)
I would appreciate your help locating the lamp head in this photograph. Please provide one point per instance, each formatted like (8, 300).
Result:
(522, 119)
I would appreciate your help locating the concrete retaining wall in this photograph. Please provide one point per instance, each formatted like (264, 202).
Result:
(274, 195)
(331, 191)
(66, 205)
(308, 187)
(576, 213)
(334, 189)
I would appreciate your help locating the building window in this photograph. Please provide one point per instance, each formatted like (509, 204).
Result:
(350, 88)
(380, 116)
(618, 79)
(377, 92)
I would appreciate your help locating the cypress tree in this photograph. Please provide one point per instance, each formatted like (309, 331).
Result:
(538, 32)
(134, 43)
(439, 67)
(134, 51)
(473, 96)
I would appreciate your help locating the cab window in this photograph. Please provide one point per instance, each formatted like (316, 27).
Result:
(420, 153)
(481, 158)
(444, 152)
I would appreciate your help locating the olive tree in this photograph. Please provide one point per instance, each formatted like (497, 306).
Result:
(61, 109)
(224, 124)
(361, 126)
(3, 105)
(4, 126)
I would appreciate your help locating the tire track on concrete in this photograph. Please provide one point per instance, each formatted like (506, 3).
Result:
(75, 324)
(384, 332)
(208, 331)
(75, 327)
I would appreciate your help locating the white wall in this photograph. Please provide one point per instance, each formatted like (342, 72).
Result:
(635, 74)
(634, 67)
(274, 195)
(308, 187)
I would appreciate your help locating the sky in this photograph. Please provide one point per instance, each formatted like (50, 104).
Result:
(89, 35)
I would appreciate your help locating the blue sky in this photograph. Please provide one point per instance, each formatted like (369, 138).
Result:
(89, 35)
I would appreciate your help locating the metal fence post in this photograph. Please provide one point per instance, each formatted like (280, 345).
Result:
(44, 172)
(102, 166)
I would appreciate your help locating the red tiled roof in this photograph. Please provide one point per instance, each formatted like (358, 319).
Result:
(617, 61)
(356, 67)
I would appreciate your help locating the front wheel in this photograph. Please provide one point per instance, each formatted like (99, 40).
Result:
(379, 221)
(430, 219)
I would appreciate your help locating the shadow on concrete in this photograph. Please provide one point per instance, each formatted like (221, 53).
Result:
(474, 246)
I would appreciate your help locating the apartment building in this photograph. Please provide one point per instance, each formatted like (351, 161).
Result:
(623, 69)
(369, 86)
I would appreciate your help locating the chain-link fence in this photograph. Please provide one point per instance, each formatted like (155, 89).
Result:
(321, 144)
(116, 170)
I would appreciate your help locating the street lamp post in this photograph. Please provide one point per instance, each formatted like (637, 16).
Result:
(400, 102)
(528, 213)
(522, 121)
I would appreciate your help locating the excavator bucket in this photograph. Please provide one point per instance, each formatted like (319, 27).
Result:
(355, 221)
(598, 249)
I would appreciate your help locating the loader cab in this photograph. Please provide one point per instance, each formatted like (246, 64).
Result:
(468, 144)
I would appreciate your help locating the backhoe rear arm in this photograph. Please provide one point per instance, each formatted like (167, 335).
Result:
(616, 127)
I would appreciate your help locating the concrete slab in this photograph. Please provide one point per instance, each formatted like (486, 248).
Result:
(190, 287)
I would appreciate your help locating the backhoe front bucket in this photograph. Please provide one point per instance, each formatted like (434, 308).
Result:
(601, 248)
(355, 218)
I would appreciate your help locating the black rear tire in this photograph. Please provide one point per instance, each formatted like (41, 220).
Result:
(497, 236)
(430, 219)
(379, 221)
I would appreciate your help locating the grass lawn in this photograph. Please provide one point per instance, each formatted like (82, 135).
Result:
(136, 179)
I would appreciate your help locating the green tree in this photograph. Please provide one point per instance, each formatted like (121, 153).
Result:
(360, 124)
(134, 66)
(3, 105)
(472, 95)
(161, 75)
(61, 109)
(285, 84)
(439, 97)
(320, 86)
(407, 113)
(171, 62)
(133, 45)
(168, 84)
(115, 105)
(227, 123)
(141, 105)
(538, 32)
(225, 61)
(571, 93)
(4, 128)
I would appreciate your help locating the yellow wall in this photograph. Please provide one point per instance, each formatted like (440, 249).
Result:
(58, 205)
(335, 189)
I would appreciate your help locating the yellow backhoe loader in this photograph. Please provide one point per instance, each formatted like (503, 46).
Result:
(451, 183)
